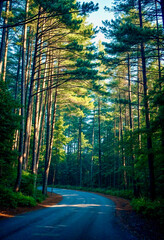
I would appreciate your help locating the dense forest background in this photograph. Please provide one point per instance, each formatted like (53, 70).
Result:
(74, 112)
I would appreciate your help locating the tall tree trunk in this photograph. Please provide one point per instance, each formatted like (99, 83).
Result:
(93, 134)
(28, 70)
(49, 148)
(115, 157)
(99, 140)
(41, 132)
(162, 10)
(4, 39)
(158, 48)
(21, 143)
(138, 100)
(41, 120)
(159, 71)
(36, 121)
(30, 100)
(50, 131)
(79, 152)
(131, 127)
(5, 57)
(1, 6)
(121, 141)
(149, 138)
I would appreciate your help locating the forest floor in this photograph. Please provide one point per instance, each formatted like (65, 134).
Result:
(143, 229)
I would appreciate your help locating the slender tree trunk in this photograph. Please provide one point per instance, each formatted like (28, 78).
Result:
(42, 110)
(1, 6)
(121, 140)
(30, 100)
(49, 115)
(36, 122)
(162, 9)
(79, 159)
(6, 49)
(28, 70)
(138, 100)
(149, 138)
(21, 143)
(41, 133)
(115, 157)
(50, 134)
(131, 127)
(93, 134)
(28, 57)
(5, 57)
(99, 140)
(4, 39)
(49, 149)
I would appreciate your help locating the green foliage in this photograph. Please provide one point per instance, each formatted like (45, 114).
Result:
(39, 196)
(10, 199)
(9, 122)
(27, 183)
(150, 209)
(128, 194)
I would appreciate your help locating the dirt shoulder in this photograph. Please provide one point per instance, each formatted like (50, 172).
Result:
(142, 228)
(52, 199)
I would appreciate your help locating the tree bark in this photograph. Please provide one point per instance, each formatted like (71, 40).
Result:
(21, 143)
(1, 6)
(50, 129)
(30, 100)
(149, 138)
(131, 127)
(162, 10)
(99, 140)
(92, 163)
(4, 39)
(79, 152)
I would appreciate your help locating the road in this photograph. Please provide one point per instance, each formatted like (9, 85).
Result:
(79, 216)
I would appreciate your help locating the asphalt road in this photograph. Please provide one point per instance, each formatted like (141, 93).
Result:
(79, 216)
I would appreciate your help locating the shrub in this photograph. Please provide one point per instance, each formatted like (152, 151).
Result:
(39, 196)
(10, 199)
(25, 201)
(27, 184)
(147, 207)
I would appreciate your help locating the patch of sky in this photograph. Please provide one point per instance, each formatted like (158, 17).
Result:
(96, 18)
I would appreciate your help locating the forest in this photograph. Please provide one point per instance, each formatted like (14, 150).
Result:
(76, 112)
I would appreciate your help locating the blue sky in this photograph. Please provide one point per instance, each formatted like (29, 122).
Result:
(97, 17)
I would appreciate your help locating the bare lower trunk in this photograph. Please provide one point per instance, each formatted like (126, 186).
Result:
(49, 147)
(79, 153)
(93, 134)
(131, 127)
(99, 123)
(49, 130)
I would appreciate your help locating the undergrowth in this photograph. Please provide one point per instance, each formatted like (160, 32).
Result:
(11, 199)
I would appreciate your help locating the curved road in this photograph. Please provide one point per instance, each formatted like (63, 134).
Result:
(79, 216)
